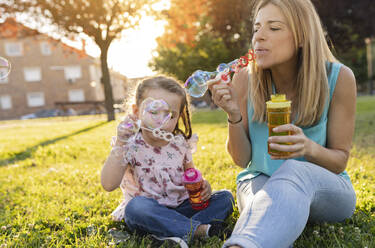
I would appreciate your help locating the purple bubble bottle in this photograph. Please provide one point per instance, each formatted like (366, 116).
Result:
(193, 182)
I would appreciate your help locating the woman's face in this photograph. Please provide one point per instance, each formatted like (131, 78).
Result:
(273, 40)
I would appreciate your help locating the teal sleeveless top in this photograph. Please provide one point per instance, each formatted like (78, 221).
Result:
(261, 161)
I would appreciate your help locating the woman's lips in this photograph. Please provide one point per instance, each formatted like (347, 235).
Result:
(261, 51)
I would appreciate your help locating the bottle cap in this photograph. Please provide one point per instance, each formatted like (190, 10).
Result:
(192, 175)
(278, 101)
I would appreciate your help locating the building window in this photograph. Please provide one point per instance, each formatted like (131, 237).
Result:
(76, 95)
(5, 102)
(14, 49)
(3, 71)
(45, 48)
(32, 74)
(35, 99)
(72, 73)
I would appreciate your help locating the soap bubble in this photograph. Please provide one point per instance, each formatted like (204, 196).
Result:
(5, 67)
(155, 113)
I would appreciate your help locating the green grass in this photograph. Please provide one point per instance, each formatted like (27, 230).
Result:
(50, 192)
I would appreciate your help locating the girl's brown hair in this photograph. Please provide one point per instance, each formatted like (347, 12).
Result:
(312, 51)
(171, 85)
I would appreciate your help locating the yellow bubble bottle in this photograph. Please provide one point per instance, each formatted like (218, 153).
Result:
(278, 113)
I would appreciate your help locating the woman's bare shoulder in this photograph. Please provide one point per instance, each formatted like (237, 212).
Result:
(346, 83)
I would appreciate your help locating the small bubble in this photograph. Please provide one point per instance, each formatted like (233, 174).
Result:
(118, 236)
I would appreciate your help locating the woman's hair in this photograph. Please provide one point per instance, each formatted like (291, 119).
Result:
(312, 51)
(171, 85)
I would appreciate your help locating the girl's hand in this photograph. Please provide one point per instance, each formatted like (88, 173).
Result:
(224, 96)
(127, 128)
(206, 190)
(299, 146)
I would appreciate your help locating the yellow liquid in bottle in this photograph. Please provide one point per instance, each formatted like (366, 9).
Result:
(278, 113)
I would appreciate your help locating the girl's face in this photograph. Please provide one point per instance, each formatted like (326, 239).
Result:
(273, 40)
(172, 107)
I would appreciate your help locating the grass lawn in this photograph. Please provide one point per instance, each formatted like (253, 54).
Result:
(50, 192)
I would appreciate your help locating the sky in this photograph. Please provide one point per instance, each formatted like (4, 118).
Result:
(131, 54)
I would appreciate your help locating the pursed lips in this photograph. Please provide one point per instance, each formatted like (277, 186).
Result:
(260, 51)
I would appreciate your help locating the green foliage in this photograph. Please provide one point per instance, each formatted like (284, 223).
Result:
(346, 22)
(182, 60)
(50, 192)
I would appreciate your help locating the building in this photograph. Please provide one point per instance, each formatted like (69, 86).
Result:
(45, 71)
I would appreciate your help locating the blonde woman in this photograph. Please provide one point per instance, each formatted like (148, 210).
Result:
(278, 195)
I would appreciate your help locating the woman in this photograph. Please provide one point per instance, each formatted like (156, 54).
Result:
(277, 195)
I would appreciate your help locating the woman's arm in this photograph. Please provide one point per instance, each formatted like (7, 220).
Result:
(232, 98)
(340, 129)
(340, 126)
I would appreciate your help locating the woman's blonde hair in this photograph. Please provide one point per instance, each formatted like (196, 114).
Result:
(312, 51)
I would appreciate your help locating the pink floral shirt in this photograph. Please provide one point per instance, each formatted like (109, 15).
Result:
(154, 172)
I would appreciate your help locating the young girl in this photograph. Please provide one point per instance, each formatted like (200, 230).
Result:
(148, 166)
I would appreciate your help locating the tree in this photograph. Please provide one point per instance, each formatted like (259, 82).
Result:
(101, 20)
(202, 34)
(182, 59)
(348, 23)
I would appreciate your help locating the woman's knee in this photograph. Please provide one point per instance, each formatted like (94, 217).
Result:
(290, 169)
(293, 172)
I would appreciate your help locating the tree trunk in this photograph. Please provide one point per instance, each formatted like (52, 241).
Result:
(106, 82)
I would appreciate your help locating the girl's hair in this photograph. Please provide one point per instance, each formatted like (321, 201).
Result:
(312, 51)
(171, 85)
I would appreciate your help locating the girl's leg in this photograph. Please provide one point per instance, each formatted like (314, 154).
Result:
(279, 212)
(219, 208)
(147, 215)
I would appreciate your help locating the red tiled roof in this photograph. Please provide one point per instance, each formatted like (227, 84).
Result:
(10, 28)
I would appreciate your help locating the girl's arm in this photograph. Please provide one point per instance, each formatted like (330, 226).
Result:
(114, 168)
(188, 165)
(115, 165)
(340, 129)
(232, 98)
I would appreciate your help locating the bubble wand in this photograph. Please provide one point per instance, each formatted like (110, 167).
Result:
(196, 84)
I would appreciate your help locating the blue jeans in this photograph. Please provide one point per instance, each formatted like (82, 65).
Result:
(147, 215)
(274, 210)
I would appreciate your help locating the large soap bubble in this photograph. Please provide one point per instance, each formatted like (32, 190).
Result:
(5, 68)
(155, 113)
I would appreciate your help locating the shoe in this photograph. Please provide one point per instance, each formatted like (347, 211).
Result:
(220, 230)
(168, 242)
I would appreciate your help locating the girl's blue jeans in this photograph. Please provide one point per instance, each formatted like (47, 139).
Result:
(147, 215)
(274, 210)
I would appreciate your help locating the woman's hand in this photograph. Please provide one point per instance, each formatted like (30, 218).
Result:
(126, 128)
(225, 97)
(206, 191)
(300, 145)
